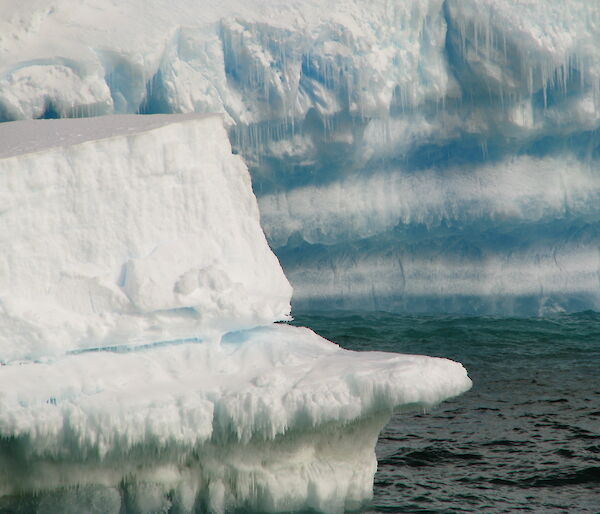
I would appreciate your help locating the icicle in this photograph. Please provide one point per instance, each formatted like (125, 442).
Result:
(544, 89)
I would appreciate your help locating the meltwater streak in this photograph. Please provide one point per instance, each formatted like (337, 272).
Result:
(526, 437)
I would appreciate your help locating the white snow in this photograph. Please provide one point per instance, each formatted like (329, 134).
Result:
(151, 233)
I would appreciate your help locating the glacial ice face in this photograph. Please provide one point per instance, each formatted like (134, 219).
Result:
(128, 230)
(435, 155)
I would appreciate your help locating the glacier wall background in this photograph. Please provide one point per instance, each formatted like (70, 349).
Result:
(416, 156)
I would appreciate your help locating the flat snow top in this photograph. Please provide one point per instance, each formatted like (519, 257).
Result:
(29, 136)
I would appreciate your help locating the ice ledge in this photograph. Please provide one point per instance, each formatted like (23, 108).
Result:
(121, 243)
(267, 418)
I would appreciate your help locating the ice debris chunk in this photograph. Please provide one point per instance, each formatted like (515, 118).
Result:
(128, 230)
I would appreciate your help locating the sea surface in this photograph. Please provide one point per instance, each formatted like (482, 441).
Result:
(526, 438)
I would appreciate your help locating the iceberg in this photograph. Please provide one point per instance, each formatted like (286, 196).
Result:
(438, 155)
(140, 366)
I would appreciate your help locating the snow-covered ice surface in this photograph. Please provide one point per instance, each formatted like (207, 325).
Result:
(140, 369)
(432, 155)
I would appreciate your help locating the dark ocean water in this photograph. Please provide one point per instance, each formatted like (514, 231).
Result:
(525, 438)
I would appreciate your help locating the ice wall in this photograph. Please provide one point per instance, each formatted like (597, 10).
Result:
(421, 156)
(128, 230)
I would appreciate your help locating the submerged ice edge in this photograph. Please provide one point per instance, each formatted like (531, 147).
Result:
(296, 472)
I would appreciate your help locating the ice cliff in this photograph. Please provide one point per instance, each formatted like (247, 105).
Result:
(140, 369)
(436, 155)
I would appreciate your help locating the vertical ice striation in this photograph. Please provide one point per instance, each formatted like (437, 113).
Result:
(434, 155)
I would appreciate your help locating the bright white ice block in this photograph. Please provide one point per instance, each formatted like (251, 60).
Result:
(128, 229)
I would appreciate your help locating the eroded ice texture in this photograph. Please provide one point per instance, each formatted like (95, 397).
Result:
(274, 419)
(128, 230)
(425, 156)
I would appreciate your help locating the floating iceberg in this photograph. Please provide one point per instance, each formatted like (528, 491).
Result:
(421, 156)
(140, 368)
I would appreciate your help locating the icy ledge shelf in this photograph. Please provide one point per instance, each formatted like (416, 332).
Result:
(140, 367)
(274, 419)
